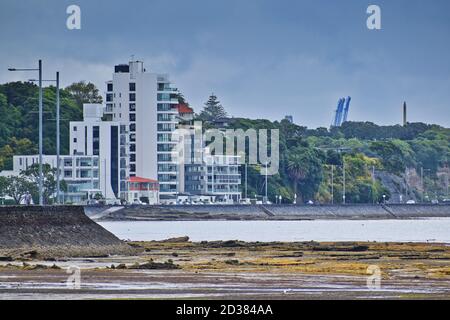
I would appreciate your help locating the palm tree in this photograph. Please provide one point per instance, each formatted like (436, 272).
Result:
(296, 168)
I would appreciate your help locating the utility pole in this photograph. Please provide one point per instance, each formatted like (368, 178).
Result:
(421, 182)
(58, 120)
(373, 184)
(58, 182)
(343, 176)
(332, 184)
(266, 183)
(246, 185)
(41, 178)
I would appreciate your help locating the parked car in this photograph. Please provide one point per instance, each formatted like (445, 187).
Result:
(410, 202)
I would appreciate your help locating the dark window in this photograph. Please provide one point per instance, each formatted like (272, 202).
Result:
(85, 140)
(75, 140)
(132, 107)
(132, 147)
(109, 97)
(133, 157)
(115, 159)
(122, 68)
(132, 86)
(109, 87)
(96, 140)
(132, 168)
(132, 127)
(74, 128)
(132, 96)
(132, 116)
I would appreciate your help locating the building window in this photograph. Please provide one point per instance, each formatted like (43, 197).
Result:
(109, 97)
(95, 140)
(132, 116)
(109, 87)
(133, 97)
(133, 137)
(132, 127)
(133, 157)
(132, 107)
(75, 128)
(164, 107)
(132, 168)
(132, 147)
(132, 86)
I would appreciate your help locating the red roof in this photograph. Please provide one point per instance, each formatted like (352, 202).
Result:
(184, 108)
(142, 180)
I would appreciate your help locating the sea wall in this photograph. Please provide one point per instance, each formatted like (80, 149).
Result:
(268, 212)
(54, 231)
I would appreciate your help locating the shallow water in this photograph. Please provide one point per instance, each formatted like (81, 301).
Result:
(419, 230)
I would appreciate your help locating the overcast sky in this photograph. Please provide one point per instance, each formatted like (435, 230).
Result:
(262, 58)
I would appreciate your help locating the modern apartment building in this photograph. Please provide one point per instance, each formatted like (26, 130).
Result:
(148, 105)
(81, 174)
(108, 140)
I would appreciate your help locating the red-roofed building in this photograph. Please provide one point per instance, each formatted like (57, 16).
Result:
(142, 190)
(185, 112)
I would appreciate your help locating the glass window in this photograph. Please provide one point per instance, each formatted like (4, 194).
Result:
(132, 86)
(132, 97)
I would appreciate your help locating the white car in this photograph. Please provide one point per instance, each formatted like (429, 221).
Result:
(410, 202)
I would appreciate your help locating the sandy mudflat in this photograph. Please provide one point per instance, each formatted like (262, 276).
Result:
(240, 270)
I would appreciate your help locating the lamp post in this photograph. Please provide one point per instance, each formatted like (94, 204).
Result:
(343, 181)
(41, 178)
(58, 141)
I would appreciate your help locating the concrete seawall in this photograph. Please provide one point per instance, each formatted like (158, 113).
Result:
(268, 212)
(54, 231)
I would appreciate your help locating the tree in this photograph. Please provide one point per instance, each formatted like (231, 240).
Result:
(295, 168)
(84, 93)
(49, 183)
(17, 187)
(213, 110)
(182, 99)
(305, 167)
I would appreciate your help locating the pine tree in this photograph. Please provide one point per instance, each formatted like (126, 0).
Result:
(213, 110)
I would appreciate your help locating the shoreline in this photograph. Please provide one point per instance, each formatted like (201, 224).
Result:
(178, 268)
(266, 212)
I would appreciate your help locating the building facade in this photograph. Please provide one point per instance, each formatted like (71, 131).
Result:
(147, 104)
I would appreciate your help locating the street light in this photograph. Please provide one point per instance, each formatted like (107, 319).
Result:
(41, 178)
(58, 183)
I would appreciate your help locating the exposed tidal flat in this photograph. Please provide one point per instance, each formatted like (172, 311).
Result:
(39, 244)
(179, 268)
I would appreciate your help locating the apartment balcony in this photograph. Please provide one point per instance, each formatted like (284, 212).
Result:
(108, 110)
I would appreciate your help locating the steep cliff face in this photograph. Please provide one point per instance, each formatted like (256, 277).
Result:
(60, 231)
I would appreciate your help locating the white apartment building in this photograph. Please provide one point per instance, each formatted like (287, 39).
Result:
(148, 105)
(81, 174)
(107, 140)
